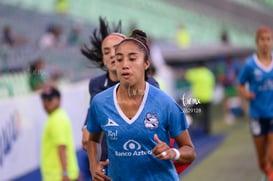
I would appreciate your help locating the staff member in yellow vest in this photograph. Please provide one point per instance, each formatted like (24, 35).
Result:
(202, 83)
(59, 162)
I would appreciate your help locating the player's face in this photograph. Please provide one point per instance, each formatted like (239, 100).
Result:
(51, 104)
(265, 42)
(108, 51)
(130, 64)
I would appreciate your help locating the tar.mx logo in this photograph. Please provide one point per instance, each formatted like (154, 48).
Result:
(189, 101)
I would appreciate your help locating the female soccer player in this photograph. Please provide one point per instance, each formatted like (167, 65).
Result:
(258, 74)
(137, 120)
(102, 52)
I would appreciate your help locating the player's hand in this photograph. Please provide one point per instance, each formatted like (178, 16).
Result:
(249, 95)
(162, 150)
(99, 174)
(85, 138)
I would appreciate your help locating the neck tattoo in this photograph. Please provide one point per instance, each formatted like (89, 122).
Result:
(135, 92)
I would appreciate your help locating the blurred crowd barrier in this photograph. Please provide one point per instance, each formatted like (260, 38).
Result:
(21, 126)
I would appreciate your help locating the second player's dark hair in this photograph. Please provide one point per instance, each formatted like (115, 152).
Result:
(93, 51)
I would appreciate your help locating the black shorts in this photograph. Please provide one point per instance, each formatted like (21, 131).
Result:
(261, 126)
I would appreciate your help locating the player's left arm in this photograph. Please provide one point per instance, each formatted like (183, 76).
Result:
(185, 147)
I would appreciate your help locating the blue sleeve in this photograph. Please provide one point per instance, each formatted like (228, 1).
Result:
(93, 124)
(177, 120)
(244, 74)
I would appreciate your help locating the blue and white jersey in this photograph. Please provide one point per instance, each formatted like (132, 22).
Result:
(130, 141)
(260, 81)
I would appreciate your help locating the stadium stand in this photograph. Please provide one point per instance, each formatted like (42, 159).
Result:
(204, 20)
(260, 5)
(14, 61)
(240, 20)
(161, 19)
(155, 12)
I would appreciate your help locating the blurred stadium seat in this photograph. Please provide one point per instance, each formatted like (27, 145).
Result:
(161, 18)
(157, 17)
(13, 84)
(260, 5)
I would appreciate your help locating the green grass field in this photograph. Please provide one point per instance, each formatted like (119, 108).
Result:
(234, 160)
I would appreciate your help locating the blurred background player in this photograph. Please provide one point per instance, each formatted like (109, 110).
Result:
(257, 74)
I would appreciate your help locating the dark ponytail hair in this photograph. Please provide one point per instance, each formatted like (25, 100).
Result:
(142, 37)
(139, 34)
(143, 44)
(93, 52)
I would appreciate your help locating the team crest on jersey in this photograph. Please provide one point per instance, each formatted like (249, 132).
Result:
(151, 121)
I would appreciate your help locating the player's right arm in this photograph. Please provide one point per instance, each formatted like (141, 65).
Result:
(243, 78)
(245, 93)
(93, 151)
